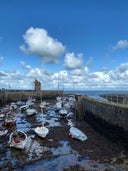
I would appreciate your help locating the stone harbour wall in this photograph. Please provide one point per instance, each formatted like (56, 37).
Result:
(107, 117)
(23, 95)
(116, 98)
(110, 112)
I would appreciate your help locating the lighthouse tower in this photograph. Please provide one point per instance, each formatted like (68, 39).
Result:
(37, 85)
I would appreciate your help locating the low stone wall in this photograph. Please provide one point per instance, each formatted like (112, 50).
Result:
(116, 98)
(23, 95)
(108, 118)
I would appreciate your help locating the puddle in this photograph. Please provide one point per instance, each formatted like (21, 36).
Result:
(34, 149)
(68, 161)
(67, 158)
(50, 120)
(64, 149)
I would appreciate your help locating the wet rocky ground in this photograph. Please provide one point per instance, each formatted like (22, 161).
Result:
(58, 151)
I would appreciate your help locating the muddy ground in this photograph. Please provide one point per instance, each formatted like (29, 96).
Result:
(58, 151)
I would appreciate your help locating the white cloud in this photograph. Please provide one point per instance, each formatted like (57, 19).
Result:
(86, 69)
(76, 72)
(34, 72)
(123, 67)
(23, 64)
(73, 62)
(2, 74)
(89, 62)
(121, 73)
(38, 42)
(121, 44)
(60, 76)
(79, 78)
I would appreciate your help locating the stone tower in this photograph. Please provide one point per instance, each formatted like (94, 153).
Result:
(37, 85)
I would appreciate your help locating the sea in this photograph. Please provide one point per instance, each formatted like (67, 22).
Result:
(94, 94)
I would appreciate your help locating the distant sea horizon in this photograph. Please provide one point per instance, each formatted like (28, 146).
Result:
(94, 93)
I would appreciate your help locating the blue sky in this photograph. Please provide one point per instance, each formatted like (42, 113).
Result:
(78, 44)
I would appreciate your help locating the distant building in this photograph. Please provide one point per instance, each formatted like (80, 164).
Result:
(37, 85)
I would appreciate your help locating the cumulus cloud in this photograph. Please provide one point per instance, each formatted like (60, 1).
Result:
(43, 74)
(34, 72)
(86, 69)
(23, 65)
(76, 72)
(10, 79)
(78, 78)
(15, 80)
(2, 74)
(121, 73)
(123, 67)
(90, 63)
(73, 62)
(38, 42)
(121, 44)
(60, 75)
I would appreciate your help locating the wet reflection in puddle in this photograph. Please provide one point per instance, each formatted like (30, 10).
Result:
(66, 161)
(34, 149)
(63, 149)
(65, 158)
(51, 121)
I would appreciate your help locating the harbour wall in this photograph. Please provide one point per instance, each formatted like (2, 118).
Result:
(108, 118)
(7, 96)
(116, 98)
